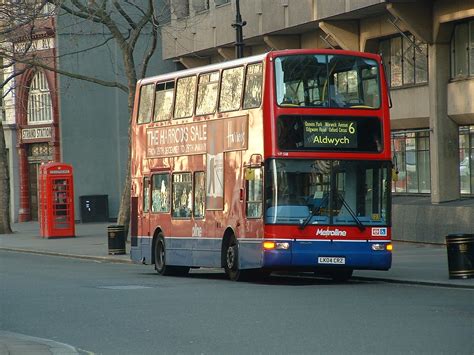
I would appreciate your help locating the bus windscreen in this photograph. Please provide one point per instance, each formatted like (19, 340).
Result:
(331, 81)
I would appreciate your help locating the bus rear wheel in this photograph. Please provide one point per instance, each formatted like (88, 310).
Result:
(160, 260)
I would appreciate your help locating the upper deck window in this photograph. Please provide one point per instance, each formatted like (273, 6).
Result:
(145, 106)
(231, 89)
(185, 93)
(253, 86)
(334, 81)
(164, 101)
(207, 93)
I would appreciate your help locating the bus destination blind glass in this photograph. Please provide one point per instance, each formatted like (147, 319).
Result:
(330, 134)
(319, 133)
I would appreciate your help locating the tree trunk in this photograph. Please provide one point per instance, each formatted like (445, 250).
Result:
(123, 217)
(5, 226)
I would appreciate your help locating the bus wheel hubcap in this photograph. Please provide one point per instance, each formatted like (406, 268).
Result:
(231, 257)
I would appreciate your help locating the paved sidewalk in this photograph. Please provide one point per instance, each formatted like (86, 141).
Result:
(412, 262)
(19, 344)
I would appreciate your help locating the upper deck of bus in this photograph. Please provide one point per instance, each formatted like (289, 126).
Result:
(251, 59)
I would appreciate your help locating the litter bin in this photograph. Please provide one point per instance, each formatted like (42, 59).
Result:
(116, 236)
(460, 249)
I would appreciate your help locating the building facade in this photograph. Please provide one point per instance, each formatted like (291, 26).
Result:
(52, 117)
(428, 50)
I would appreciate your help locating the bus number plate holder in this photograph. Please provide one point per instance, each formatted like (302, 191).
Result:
(331, 260)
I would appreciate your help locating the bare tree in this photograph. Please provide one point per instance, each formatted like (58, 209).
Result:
(123, 22)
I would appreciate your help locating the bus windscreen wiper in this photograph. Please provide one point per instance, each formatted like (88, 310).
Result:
(357, 220)
(314, 211)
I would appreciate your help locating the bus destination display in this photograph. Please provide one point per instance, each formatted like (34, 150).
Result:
(330, 134)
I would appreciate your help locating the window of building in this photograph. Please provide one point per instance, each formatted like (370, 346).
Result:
(253, 86)
(231, 89)
(160, 193)
(411, 158)
(145, 106)
(164, 101)
(146, 194)
(405, 63)
(200, 5)
(221, 2)
(207, 93)
(185, 93)
(462, 50)
(199, 194)
(182, 195)
(254, 192)
(466, 159)
(40, 109)
(180, 8)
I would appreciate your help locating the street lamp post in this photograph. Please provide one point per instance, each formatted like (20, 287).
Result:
(239, 38)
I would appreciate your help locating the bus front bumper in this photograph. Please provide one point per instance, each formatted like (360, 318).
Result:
(363, 254)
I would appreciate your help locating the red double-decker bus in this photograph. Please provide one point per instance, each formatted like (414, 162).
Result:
(276, 161)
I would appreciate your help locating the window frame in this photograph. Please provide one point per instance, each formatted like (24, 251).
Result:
(241, 91)
(152, 188)
(469, 51)
(173, 215)
(247, 192)
(39, 108)
(152, 104)
(146, 190)
(243, 107)
(217, 94)
(194, 195)
(195, 76)
(172, 101)
(387, 60)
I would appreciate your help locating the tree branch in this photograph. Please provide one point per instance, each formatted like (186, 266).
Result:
(121, 11)
(152, 49)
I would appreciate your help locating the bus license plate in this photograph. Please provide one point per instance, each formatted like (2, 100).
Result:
(331, 260)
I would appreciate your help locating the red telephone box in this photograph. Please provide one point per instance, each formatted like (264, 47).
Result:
(56, 197)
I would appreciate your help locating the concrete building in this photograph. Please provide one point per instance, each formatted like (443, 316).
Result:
(49, 117)
(428, 50)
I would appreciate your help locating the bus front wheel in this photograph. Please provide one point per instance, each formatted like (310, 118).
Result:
(231, 260)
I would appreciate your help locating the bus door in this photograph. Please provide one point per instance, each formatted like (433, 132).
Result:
(144, 216)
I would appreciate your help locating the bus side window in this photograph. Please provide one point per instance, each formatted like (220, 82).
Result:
(182, 195)
(207, 93)
(146, 195)
(231, 89)
(199, 194)
(185, 93)
(253, 86)
(254, 192)
(145, 107)
(160, 193)
(163, 101)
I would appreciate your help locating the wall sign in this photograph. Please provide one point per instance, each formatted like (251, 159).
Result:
(36, 133)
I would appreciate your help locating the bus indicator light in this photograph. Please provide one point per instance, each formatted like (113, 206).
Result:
(269, 245)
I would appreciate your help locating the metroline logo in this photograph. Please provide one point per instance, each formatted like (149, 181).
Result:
(331, 233)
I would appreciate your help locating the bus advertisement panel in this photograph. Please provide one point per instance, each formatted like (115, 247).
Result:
(279, 161)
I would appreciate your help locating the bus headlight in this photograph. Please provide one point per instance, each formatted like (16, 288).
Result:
(269, 245)
(382, 247)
